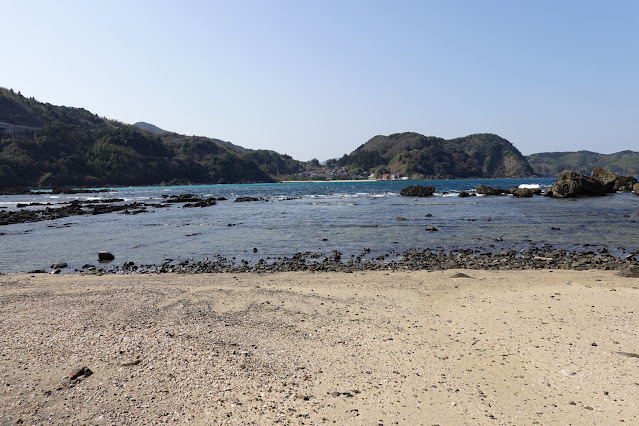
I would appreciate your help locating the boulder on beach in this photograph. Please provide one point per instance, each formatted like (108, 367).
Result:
(572, 184)
(417, 191)
(487, 190)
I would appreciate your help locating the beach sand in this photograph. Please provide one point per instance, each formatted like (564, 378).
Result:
(498, 348)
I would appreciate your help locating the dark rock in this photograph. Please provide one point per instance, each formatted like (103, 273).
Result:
(61, 265)
(572, 184)
(248, 199)
(400, 218)
(417, 191)
(613, 182)
(464, 194)
(605, 177)
(487, 190)
(431, 229)
(625, 184)
(461, 275)
(181, 198)
(202, 203)
(80, 373)
(105, 256)
(522, 192)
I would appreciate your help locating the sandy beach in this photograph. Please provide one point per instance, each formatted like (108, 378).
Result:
(370, 348)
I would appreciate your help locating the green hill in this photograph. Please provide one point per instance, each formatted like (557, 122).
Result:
(148, 127)
(550, 164)
(427, 157)
(43, 145)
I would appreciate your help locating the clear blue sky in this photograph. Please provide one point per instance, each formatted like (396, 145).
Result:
(319, 78)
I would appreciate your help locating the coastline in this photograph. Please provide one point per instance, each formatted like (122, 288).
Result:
(494, 347)
(332, 181)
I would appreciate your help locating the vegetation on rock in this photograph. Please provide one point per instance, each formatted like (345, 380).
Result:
(42, 145)
(426, 157)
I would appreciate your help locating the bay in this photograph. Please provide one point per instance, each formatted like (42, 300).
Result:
(318, 217)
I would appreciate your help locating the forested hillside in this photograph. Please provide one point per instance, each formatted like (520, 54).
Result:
(550, 164)
(42, 145)
(427, 157)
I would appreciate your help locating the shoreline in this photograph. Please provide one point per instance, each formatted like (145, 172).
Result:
(448, 347)
(534, 258)
(332, 181)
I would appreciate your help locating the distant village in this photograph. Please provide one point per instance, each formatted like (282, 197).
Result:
(344, 174)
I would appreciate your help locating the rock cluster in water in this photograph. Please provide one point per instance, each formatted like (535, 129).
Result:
(571, 184)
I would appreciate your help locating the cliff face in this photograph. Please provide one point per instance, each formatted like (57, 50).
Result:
(551, 164)
(418, 156)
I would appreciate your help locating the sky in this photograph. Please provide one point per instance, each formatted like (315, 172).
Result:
(316, 79)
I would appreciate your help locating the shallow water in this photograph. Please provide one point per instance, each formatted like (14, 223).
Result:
(318, 217)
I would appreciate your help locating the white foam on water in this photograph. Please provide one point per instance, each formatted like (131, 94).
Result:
(529, 186)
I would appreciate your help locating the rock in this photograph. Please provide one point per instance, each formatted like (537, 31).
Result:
(80, 373)
(572, 184)
(629, 272)
(201, 203)
(105, 256)
(417, 191)
(522, 192)
(635, 188)
(248, 199)
(464, 194)
(487, 190)
(431, 229)
(625, 184)
(61, 265)
(400, 218)
(629, 354)
(605, 177)
(612, 181)
(461, 275)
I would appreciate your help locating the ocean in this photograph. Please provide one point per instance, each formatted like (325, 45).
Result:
(353, 218)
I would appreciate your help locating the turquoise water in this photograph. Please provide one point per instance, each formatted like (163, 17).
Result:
(318, 217)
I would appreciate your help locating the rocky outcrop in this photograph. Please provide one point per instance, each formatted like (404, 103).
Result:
(487, 190)
(417, 191)
(613, 182)
(523, 192)
(624, 183)
(571, 184)
(635, 188)
(248, 199)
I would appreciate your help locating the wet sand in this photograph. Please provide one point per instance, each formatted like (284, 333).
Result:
(498, 347)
